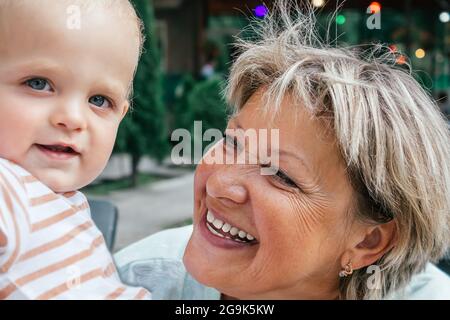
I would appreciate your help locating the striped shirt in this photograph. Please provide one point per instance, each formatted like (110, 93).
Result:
(49, 245)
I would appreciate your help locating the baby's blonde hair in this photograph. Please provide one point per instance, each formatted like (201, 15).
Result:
(124, 8)
(392, 136)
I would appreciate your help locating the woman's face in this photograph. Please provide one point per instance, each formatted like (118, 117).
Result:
(296, 216)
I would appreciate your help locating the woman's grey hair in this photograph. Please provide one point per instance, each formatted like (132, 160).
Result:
(391, 134)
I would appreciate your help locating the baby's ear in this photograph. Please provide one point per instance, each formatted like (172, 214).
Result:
(125, 109)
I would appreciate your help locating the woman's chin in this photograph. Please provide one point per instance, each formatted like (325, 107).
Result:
(196, 266)
(205, 263)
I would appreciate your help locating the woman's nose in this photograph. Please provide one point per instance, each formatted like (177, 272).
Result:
(225, 184)
(69, 115)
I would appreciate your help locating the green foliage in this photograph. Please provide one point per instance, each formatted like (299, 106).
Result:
(207, 104)
(182, 113)
(143, 131)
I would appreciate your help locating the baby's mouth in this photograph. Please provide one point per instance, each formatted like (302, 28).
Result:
(58, 149)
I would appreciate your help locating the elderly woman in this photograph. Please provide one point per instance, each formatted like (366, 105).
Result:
(359, 205)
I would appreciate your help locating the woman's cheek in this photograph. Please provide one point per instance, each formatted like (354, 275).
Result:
(201, 175)
(296, 216)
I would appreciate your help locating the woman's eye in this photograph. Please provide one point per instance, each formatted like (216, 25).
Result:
(100, 101)
(230, 142)
(283, 178)
(39, 84)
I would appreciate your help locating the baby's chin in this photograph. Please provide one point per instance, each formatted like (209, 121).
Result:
(62, 182)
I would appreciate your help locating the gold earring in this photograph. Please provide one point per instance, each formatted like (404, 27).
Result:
(348, 270)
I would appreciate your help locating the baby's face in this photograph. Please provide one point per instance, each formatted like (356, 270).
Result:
(63, 92)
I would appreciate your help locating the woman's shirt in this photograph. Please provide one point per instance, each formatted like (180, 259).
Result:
(156, 263)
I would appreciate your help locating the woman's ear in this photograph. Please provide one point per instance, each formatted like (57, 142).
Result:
(371, 244)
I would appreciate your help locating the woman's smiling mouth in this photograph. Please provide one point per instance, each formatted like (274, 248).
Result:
(226, 231)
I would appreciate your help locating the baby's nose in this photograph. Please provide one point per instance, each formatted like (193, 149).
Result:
(69, 116)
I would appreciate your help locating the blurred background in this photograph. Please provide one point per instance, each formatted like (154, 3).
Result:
(187, 55)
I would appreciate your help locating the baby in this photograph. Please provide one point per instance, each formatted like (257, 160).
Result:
(66, 69)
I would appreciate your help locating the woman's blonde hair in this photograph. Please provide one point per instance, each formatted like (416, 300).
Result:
(394, 140)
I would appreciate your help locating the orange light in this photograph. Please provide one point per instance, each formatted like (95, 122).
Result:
(375, 7)
(393, 48)
(401, 60)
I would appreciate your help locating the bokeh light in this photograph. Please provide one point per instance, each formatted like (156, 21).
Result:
(318, 3)
(393, 48)
(444, 17)
(340, 19)
(375, 7)
(420, 53)
(401, 60)
(261, 11)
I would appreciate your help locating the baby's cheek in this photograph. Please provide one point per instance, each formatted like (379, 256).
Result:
(11, 145)
(98, 149)
(5, 148)
(97, 159)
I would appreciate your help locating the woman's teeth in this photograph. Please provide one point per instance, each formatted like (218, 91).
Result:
(225, 230)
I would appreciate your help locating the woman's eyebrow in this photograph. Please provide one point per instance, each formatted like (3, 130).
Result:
(301, 160)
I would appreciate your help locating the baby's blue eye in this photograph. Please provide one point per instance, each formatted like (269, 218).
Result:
(38, 84)
(99, 101)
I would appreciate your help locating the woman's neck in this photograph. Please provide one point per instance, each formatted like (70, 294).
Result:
(318, 294)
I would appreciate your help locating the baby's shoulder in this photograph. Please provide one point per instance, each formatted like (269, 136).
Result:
(9, 166)
(12, 178)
